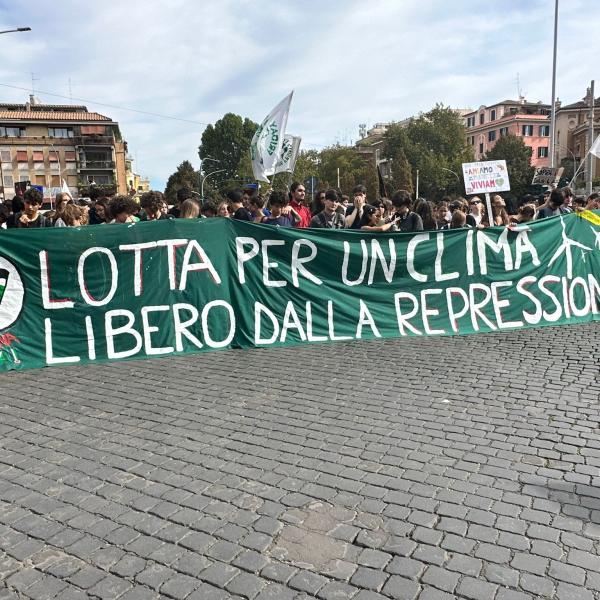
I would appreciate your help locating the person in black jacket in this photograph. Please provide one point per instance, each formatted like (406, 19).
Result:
(408, 220)
(30, 216)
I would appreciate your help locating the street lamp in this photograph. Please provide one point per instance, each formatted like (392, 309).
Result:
(205, 178)
(202, 164)
(15, 30)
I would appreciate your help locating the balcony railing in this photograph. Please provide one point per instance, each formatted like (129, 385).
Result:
(93, 140)
(89, 165)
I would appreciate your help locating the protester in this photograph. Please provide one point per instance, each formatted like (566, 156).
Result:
(153, 204)
(189, 209)
(236, 206)
(476, 210)
(345, 201)
(499, 214)
(459, 220)
(318, 203)
(567, 206)
(30, 217)
(593, 201)
(182, 195)
(209, 209)
(371, 220)
(123, 209)
(329, 217)
(425, 210)
(256, 206)
(553, 207)
(223, 210)
(61, 201)
(442, 215)
(525, 214)
(98, 214)
(4, 215)
(355, 210)
(297, 197)
(73, 216)
(282, 213)
(408, 221)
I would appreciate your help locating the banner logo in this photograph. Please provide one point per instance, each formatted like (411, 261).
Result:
(12, 293)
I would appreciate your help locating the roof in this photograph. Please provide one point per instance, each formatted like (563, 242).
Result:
(579, 105)
(26, 115)
(42, 107)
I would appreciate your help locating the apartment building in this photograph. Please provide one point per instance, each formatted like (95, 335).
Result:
(47, 143)
(527, 120)
(572, 131)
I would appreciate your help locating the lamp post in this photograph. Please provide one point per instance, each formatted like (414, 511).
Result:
(205, 178)
(553, 110)
(15, 30)
(202, 164)
(18, 29)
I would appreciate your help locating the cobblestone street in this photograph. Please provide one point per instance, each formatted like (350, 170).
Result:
(422, 468)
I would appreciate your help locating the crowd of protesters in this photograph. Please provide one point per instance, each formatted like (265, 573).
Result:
(327, 209)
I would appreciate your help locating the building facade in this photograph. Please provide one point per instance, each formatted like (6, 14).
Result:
(527, 120)
(572, 136)
(48, 143)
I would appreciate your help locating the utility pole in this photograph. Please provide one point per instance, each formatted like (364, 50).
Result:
(591, 158)
(553, 110)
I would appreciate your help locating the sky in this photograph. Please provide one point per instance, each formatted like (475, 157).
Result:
(348, 62)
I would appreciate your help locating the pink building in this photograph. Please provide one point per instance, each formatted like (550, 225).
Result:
(527, 120)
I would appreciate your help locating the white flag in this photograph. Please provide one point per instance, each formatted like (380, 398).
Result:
(265, 147)
(289, 154)
(65, 189)
(595, 149)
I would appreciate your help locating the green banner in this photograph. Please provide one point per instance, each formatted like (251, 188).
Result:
(115, 292)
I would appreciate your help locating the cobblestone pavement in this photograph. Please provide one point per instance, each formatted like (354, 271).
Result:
(430, 468)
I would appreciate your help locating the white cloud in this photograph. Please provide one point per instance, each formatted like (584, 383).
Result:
(348, 61)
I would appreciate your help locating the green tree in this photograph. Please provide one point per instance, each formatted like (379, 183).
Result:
(401, 173)
(517, 155)
(435, 144)
(184, 176)
(353, 168)
(228, 143)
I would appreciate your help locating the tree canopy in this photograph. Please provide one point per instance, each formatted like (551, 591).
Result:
(517, 155)
(435, 144)
(227, 142)
(184, 176)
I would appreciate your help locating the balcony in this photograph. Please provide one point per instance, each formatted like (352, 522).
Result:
(94, 165)
(93, 140)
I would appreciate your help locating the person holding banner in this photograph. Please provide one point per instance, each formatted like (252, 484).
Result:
(329, 217)
(553, 208)
(297, 195)
(282, 213)
(371, 217)
(30, 216)
(408, 220)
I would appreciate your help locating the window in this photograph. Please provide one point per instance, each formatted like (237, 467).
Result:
(38, 156)
(69, 155)
(60, 132)
(481, 119)
(11, 131)
(9, 181)
(492, 136)
(493, 114)
(480, 148)
(470, 121)
(55, 181)
(542, 152)
(5, 156)
(503, 131)
(40, 180)
(527, 130)
(544, 130)
(22, 156)
(472, 140)
(53, 156)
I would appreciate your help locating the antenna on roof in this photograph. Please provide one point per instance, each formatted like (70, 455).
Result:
(520, 94)
(33, 80)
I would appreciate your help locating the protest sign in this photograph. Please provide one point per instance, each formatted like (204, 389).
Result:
(116, 292)
(547, 175)
(490, 176)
